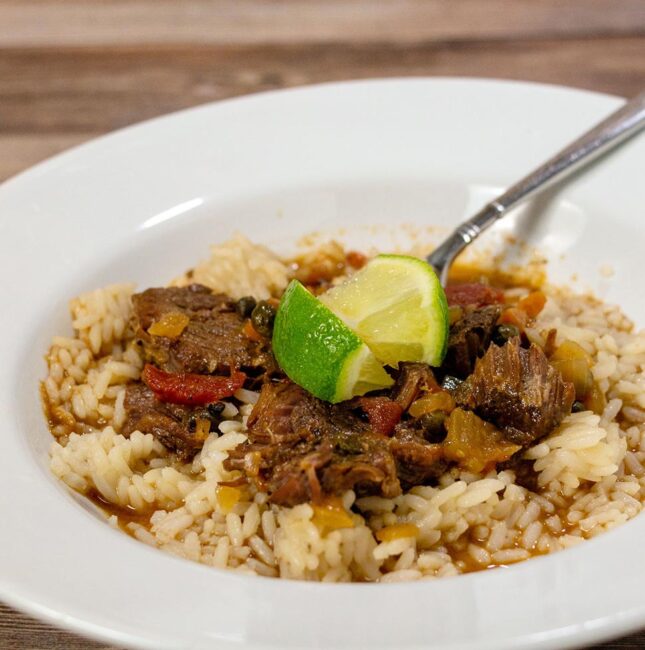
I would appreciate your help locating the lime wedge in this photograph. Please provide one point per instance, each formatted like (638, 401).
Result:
(319, 352)
(397, 305)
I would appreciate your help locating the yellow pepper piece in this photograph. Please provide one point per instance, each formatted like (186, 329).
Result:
(440, 401)
(569, 351)
(574, 364)
(202, 428)
(227, 498)
(596, 400)
(170, 325)
(474, 443)
(331, 515)
(397, 531)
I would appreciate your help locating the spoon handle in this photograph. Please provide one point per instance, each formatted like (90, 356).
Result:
(620, 125)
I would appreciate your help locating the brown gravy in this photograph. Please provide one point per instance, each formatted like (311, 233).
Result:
(124, 515)
(530, 277)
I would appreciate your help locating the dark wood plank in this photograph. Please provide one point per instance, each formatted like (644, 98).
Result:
(21, 632)
(43, 23)
(67, 91)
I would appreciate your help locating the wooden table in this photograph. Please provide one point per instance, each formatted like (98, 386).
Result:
(73, 69)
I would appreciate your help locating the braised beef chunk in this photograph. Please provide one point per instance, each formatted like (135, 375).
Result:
(270, 421)
(212, 340)
(469, 338)
(195, 300)
(188, 331)
(412, 379)
(417, 461)
(300, 449)
(175, 426)
(517, 390)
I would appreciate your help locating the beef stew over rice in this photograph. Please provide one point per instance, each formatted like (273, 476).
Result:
(170, 410)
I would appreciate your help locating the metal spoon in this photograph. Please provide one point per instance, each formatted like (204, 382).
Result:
(620, 125)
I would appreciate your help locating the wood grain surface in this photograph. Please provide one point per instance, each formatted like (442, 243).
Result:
(73, 69)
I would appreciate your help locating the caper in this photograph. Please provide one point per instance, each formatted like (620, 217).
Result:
(504, 333)
(578, 407)
(451, 383)
(215, 409)
(262, 318)
(245, 306)
(433, 426)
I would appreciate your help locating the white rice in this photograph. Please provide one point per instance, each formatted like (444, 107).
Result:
(591, 472)
(240, 268)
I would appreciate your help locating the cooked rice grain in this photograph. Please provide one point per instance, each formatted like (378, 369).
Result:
(591, 472)
(240, 268)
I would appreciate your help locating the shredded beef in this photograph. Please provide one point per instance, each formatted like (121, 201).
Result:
(469, 338)
(412, 379)
(172, 424)
(211, 342)
(417, 461)
(301, 449)
(517, 390)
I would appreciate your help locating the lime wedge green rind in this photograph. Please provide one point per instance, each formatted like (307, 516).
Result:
(319, 352)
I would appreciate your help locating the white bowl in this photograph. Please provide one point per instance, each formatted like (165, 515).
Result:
(143, 204)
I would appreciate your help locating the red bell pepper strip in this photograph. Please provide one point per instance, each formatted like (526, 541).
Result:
(190, 389)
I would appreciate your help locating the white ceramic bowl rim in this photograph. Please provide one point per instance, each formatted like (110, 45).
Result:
(62, 224)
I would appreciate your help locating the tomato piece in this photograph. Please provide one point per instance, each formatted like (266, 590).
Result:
(355, 259)
(190, 389)
(473, 293)
(382, 412)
